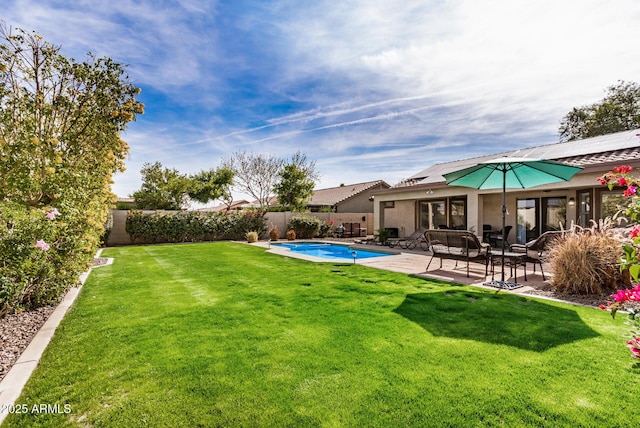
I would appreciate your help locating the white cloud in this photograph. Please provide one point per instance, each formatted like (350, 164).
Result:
(355, 83)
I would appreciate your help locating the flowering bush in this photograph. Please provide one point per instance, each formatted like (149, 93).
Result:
(325, 229)
(621, 176)
(628, 299)
(60, 124)
(32, 271)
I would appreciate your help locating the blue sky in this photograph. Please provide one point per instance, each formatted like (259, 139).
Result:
(369, 89)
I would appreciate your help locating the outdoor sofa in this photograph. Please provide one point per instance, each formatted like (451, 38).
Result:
(457, 245)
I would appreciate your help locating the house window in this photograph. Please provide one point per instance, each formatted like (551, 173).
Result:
(389, 204)
(449, 213)
(539, 215)
(458, 214)
(611, 203)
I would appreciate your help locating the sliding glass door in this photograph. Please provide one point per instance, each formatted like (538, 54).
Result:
(585, 214)
(554, 213)
(528, 220)
(433, 214)
(538, 215)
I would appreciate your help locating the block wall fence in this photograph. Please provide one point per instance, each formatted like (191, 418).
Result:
(120, 237)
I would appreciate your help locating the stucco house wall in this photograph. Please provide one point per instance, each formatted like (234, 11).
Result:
(484, 207)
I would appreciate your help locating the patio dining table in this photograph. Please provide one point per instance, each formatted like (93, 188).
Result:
(511, 259)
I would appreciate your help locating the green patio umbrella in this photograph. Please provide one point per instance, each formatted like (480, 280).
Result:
(510, 173)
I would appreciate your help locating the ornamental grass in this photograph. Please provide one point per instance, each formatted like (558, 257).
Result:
(587, 261)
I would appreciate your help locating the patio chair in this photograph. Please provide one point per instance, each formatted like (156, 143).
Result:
(496, 238)
(487, 230)
(536, 249)
(410, 242)
(348, 230)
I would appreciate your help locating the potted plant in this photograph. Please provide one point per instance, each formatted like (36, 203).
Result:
(383, 235)
(291, 234)
(273, 233)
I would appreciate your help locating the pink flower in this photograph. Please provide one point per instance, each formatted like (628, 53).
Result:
(635, 231)
(627, 295)
(634, 347)
(620, 296)
(623, 169)
(622, 181)
(631, 190)
(51, 215)
(42, 245)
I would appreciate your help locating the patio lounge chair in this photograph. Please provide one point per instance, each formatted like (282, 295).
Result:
(410, 242)
(536, 249)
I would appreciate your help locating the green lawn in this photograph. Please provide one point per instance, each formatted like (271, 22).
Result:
(225, 334)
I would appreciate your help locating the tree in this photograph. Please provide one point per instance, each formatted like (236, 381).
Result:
(211, 184)
(60, 122)
(255, 174)
(297, 180)
(618, 111)
(162, 188)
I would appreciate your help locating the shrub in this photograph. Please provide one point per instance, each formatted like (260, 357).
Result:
(60, 124)
(325, 229)
(586, 262)
(383, 235)
(252, 237)
(192, 226)
(306, 227)
(37, 261)
(291, 235)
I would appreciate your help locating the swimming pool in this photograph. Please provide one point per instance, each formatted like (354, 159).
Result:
(331, 251)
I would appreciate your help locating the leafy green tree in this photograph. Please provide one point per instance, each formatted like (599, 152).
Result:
(297, 180)
(618, 111)
(162, 188)
(60, 124)
(211, 184)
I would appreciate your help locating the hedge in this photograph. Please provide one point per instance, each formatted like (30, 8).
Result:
(307, 226)
(192, 226)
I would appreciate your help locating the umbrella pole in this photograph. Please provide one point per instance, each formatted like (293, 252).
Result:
(504, 214)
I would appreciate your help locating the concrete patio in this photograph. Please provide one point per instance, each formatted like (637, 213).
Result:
(414, 262)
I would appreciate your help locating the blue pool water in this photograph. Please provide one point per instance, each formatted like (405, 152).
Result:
(331, 251)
